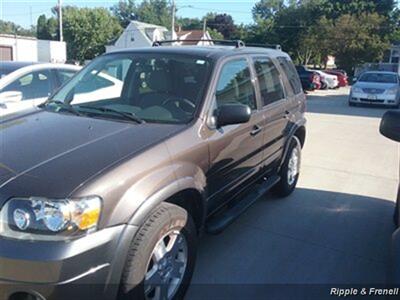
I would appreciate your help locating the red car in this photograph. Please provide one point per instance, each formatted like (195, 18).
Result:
(342, 77)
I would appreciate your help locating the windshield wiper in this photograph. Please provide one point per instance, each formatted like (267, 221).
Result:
(63, 105)
(125, 115)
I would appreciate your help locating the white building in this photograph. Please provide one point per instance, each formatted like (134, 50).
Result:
(395, 53)
(139, 34)
(22, 48)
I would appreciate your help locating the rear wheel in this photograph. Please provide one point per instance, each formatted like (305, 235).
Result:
(161, 259)
(290, 170)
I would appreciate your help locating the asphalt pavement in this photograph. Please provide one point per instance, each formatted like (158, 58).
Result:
(334, 230)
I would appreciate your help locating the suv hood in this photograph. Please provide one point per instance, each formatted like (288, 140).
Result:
(50, 154)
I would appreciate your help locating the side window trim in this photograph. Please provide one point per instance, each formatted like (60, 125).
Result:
(275, 103)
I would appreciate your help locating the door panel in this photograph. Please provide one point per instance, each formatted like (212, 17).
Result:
(235, 150)
(274, 109)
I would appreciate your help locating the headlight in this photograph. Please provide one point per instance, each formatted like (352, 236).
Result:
(49, 219)
(357, 90)
(392, 91)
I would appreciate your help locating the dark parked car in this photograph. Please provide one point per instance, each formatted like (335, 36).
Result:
(390, 127)
(310, 80)
(104, 196)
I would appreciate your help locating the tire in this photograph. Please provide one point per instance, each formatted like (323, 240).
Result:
(165, 219)
(287, 185)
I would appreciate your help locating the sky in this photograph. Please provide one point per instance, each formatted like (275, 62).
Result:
(25, 13)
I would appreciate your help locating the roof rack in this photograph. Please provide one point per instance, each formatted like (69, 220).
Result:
(236, 43)
(277, 47)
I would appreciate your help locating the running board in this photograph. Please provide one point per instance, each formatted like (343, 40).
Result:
(218, 222)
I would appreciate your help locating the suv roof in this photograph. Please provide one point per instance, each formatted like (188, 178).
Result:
(213, 52)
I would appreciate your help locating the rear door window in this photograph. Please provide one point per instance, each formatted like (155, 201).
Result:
(234, 84)
(291, 74)
(269, 81)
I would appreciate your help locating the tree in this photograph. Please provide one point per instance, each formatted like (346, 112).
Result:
(12, 28)
(87, 31)
(223, 23)
(156, 12)
(47, 29)
(190, 23)
(266, 9)
(125, 11)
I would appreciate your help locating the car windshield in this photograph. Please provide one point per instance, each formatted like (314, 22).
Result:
(160, 88)
(378, 77)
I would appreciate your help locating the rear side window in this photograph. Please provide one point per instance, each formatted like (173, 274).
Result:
(291, 74)
(234, 84)
(269, 80)
(65, 75)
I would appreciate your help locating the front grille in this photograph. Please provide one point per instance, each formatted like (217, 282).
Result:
(373, 91)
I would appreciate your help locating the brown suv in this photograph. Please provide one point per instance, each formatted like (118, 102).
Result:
(105, 188)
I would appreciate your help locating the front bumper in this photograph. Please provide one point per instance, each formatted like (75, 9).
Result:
(86, 268)
(374, 99)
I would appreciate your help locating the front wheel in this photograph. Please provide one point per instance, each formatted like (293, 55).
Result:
(161, 260)
(290, 170)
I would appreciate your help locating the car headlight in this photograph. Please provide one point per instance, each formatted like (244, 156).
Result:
(356, 90)
(392, 91)
(49, 219)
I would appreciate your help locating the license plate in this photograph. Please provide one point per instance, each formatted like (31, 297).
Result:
(371, 97)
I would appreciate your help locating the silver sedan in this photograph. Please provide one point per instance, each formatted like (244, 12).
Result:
(376, 88)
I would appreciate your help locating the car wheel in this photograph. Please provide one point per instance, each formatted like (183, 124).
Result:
(161, 259)
(290, 170)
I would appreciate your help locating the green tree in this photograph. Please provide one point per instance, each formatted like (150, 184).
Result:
(125, 11)
(266, 9)
(12, 28)
(157, 12)
(222, 23)
(87, 31)
(47, 29)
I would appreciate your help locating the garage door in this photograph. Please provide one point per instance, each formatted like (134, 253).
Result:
(5, 53)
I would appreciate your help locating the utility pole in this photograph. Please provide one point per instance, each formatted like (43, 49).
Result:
(60, 23)
(173, 19)
(204, 25)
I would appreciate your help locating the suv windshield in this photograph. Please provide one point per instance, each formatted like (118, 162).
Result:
(160, 88)
(378, 77)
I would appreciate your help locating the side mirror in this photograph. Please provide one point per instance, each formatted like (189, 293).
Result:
(233, 114)
(11, 96)
(390, 125)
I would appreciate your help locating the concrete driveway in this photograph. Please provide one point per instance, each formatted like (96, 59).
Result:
(334, 229)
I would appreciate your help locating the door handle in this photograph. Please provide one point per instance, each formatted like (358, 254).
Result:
(256, 130)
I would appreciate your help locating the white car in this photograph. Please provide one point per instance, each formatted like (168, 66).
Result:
(376, 88)
(331, 81)
(24, 85)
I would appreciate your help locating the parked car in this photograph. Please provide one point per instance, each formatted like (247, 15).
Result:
(26, 84)
(328, 81)
(376, 88)
(310, 80)
(342, 77)
(113, 204)
(390, 127)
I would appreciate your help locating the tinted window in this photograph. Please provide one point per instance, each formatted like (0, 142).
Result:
(291, 74)
(234, 84)
(65, 75)
(33, 85)
(268, 78)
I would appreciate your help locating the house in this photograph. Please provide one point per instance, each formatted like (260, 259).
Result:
(139, 34)
(23, 48)
(193, 37)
